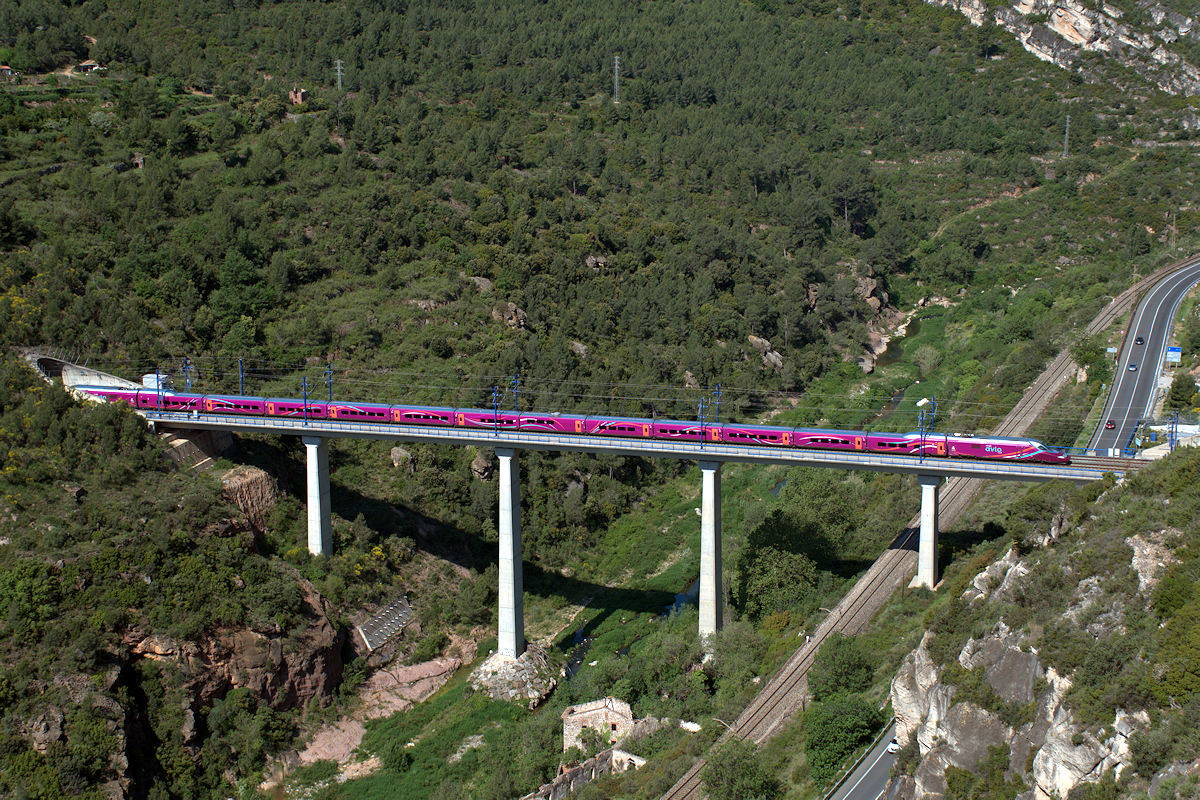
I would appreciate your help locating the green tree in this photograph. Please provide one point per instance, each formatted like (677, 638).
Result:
(835, 729)
(1183, 389)
(734, 770)
(841, 665)
(770, 579)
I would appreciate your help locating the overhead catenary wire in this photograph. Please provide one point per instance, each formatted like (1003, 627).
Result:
(466, 388)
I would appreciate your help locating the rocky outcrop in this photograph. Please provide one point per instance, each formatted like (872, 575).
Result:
(285, 671)
(1059, 31)
(998, 579)
(46, 729)
(1049, 750)
(402, 457)
(1151, 557)
(481, 466)
(770, 358)
(510, 315)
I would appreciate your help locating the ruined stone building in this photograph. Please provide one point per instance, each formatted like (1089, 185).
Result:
(610, 717)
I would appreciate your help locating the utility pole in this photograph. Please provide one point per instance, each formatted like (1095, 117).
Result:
(616, 79)
(337, 65)
(516, 384)
(1066, 136)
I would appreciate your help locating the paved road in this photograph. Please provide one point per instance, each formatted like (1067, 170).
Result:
(869, 779)
(1133, 390)
(899, 560)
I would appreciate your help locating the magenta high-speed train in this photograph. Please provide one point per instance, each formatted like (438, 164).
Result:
(915, 443)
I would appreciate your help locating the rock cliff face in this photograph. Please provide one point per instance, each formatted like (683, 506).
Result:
(950, 733)
(285, 671)
(1048, 750)
(1060, 31)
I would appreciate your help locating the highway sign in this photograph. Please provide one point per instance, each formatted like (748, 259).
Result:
(1174, 355)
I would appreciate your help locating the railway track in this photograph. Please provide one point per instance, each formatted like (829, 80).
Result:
(787, 690)
(1109, 463)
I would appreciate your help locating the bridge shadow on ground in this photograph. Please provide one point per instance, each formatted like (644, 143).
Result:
(381, 519)
(908, 539)
(955, 544)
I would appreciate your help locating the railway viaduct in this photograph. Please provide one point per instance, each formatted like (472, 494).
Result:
(930, 472)
(711, 456)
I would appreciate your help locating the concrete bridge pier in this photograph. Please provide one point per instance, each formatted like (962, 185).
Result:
(320, 529)
(511, 624)
(927, 548)
(712, 598)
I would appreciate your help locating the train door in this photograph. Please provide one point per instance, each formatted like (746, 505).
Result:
(579, 426)
(646, 430)
(860, 442)
(941, 447)
(716, 434)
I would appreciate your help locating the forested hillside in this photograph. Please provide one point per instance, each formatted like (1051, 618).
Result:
(778, 187)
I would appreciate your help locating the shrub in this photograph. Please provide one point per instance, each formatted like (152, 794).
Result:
(312, 773)
(987, 782)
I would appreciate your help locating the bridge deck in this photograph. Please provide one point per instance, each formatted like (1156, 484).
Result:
(656, 448)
